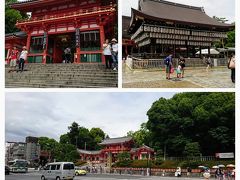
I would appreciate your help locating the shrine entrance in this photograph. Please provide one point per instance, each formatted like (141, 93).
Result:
(58, 43)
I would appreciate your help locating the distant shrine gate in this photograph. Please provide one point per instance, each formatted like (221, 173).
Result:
(112, 147)
(81, 25)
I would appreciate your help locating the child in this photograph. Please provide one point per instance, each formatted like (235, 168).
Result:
(179, 71)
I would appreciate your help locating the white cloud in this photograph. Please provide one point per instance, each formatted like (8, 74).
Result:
(50, 114)
(219, 8)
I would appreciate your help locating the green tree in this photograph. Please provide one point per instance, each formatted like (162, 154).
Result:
(64, 139)
(193, 117)
(140, 137)
(192, 149)
(11, 17)
(123, 156)
(97, 136)
(73, 133)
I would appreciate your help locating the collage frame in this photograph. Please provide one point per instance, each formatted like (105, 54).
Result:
(120, 89)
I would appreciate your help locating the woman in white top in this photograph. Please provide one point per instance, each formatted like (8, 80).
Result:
(107, 53)
(114, 51)
(22, 58)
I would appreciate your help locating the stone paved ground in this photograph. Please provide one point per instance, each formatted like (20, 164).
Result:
(217, 77)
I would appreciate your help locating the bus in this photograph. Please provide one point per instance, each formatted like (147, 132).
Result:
(18, 165)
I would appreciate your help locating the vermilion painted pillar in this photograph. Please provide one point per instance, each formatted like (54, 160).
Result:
(77, 57)
(102, 39)
(28, 44)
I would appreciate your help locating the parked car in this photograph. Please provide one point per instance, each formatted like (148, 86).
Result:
(58, 171)
(80, 171)
(7, 170)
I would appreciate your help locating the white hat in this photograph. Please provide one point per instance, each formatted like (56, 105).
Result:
(114, 40)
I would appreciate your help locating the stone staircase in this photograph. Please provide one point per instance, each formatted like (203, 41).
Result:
(62, 76)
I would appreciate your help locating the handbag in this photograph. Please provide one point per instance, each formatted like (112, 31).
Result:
(172, 70)
(231, 64)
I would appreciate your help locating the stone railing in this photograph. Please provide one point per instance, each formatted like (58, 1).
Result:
(140, 63)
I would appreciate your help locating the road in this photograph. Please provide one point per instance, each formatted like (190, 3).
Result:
(36, 176)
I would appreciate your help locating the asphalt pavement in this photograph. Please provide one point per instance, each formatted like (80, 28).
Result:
(37, 176)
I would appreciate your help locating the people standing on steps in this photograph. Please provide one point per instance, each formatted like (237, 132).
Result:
(22, 58)
(114, 52)
(13, 59)
(107, 53)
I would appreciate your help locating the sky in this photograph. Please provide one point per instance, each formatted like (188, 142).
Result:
(219, 8)
(50, 114)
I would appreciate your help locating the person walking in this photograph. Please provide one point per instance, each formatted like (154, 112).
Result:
(13, 59)
(22, 58)
(181, 62)
(114, 52)
(231, 65)
(208, 62)
(67, 53)
(168, 63)
(107, 53)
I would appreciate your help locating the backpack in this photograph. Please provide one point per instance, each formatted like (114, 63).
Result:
(166, 61)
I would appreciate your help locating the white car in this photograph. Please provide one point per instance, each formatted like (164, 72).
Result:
(58, 171)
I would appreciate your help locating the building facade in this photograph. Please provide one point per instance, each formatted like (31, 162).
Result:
(28, 150)
(162, 27)
(81, 25)
(114, 146)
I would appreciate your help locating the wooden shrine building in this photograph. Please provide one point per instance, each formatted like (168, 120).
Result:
(127, 43)
(114, 146)
(161, 27)
(81, 25)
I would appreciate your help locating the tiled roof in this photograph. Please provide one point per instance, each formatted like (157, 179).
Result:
(17, 34)
(115, 140)
(142, 147)
(82, 151)
(164, 10)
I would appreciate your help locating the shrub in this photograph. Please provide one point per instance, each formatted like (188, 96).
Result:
(80, 163)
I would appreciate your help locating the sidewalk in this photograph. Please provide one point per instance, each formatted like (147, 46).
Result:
(217, 77)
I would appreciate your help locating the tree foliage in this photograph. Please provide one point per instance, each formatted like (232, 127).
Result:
(141, 136)
(83, 138)
(12, 16)
(208, 119)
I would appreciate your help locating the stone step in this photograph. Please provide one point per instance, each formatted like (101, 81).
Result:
(56, 85)
(62, 75)
(64, 81)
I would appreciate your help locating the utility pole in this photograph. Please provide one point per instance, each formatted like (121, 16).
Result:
(85, 146)
(164, 153)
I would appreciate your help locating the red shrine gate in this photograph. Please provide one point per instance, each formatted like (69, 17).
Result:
(114, 146)
(81, 25)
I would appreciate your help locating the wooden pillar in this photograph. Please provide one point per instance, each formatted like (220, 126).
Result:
(28, 44)
(77, 57)
(8, 54)
(102, 39)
